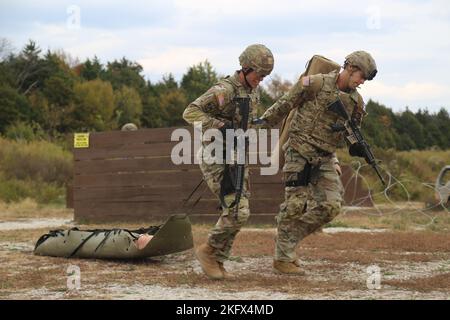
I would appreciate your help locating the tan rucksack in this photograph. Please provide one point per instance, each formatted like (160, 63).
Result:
(317, 64)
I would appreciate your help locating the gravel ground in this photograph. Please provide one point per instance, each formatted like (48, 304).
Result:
(179, 276)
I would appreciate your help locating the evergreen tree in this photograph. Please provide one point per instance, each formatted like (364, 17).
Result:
(433, 136)
(91, 70)
(377, 126)
(443, 124)
(408, 126)
(13, 107)
(198, 79)
(164, 103)
(51, 92)
(28, 68)
(124, 73)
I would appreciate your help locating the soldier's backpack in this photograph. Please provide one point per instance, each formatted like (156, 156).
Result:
(317, 64)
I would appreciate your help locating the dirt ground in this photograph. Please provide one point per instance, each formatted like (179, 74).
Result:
(410, 249)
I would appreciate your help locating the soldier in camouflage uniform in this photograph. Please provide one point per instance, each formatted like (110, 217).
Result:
(313, 192)
(216, 108)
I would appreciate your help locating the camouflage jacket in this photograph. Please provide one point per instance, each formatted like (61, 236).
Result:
(216, 105)
(310, 130)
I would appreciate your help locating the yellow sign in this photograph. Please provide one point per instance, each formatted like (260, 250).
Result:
(81, 140)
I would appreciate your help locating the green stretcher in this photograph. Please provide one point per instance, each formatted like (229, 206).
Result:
(174, 235)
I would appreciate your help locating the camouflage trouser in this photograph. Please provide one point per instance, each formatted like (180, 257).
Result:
(305, 209)
(222, 236)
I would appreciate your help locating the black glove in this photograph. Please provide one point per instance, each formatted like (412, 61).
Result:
(356, 150)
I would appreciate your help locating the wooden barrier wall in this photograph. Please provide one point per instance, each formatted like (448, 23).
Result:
(129, 176)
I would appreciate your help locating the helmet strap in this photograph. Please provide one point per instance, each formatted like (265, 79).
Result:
(353, 69)
(246, 71)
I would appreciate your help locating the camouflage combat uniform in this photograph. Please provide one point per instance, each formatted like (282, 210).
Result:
(213, 107)
(307, 208)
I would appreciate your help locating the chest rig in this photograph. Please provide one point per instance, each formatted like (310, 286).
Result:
(314, 124)
(314, 121)
(229, 113)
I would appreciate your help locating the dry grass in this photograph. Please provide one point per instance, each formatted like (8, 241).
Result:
(402, 217)
(425, 284)
(414, 169)
(335, 264)
(324, 256)
(30, 209)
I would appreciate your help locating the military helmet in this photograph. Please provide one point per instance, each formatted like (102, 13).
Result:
(129, 127)
(257, 57)
(364, 61)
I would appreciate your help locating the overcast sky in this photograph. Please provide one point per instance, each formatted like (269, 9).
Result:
(410, 40)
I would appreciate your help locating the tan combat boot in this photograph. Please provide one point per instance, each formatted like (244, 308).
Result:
(288, 267)
(205, 255)
(226, 274)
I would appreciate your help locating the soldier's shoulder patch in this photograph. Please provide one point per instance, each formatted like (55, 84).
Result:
(306, 81)
(222, 94)
(220, 98)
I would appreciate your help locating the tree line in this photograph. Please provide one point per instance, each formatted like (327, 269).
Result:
(51, 94)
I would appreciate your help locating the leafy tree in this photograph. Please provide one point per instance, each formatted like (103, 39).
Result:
(58, 89)
(155, 114)
(94, 106)
(55, 97)
(13, 107)
(57, 94)
(55, 65)
(152, 115)
(173, 104)
(198, 79)
(45, 115)
(124, 73)
(7, 76)
(128, 106)
(168, 83)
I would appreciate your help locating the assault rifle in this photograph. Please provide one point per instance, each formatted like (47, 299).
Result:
(359, 144)
(244, 110)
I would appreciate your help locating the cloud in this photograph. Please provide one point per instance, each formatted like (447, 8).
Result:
(175, 59)
(409, 39)
(432, 96)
